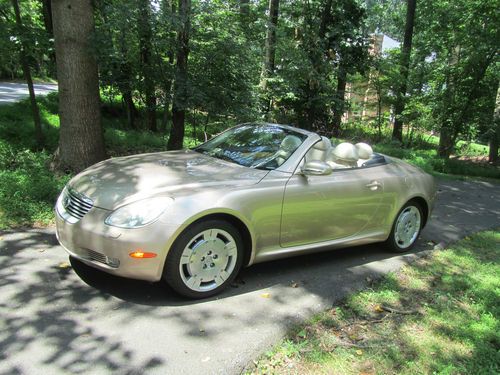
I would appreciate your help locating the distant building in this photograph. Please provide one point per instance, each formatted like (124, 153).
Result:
(362, 95)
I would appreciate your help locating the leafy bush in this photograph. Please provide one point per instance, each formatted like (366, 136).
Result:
(28, 190)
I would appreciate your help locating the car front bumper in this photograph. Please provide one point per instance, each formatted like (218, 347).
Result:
(107, 248)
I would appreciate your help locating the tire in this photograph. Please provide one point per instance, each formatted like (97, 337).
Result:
(406, 228)
(204, 259)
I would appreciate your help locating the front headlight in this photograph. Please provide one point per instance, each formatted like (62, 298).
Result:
(138, 214)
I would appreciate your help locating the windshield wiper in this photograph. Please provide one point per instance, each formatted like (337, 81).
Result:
(226, 158)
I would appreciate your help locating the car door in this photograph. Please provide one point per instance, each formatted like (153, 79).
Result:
(330, 207)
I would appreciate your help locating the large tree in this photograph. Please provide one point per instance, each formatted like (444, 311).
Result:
(81, 141)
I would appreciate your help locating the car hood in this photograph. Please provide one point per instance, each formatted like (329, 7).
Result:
(117, 181)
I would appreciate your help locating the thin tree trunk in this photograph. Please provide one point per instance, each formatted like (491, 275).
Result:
(27, 75)
(339, 101)
(47, 21)
(244, 13)
(166, 109)
(495, 134)
(180, 94)
(145, 46)
(399, 107)
(270, 53)
(130, 109)
(379, 114)
(81, 141)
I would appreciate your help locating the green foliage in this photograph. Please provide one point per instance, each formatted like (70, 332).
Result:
(34, 32)
(27, 188)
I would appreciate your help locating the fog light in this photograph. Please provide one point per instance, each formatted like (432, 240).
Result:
(138, 254)
(112, 262)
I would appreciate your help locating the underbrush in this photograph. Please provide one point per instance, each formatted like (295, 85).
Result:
(28, 189)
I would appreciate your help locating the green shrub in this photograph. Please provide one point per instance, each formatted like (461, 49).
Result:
(28, 190)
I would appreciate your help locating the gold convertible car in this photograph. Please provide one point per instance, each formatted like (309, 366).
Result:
(254, 193)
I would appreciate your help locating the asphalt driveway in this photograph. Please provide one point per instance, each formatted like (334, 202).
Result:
(11, 92)
(61, 318)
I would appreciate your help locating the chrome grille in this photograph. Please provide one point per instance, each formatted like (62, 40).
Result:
(101, 258)
(98, 257)
(76, 204)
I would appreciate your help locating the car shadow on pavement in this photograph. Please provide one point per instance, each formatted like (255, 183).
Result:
(297, 272)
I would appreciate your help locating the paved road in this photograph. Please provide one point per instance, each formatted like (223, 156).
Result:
(11, 92)
(74, 320)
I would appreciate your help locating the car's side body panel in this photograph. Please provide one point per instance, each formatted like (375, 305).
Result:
(330, 207)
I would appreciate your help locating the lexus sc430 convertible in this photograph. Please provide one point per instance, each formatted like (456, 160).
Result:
(254, 193)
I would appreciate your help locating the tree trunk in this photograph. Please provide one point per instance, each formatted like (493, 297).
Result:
(399, 107)
(27, 75)
(244, 13)
(495, 134)
(180, 95)
(339, 101)
(166, 109)
(47, 16)
(81, 141)
(130, 109)
(270, 56)
(446, 143)
(270, 52)
(145, 47)
(47, 22)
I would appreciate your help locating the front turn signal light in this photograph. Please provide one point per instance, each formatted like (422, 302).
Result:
(138, 254)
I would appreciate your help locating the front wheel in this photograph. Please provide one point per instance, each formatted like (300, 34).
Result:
(204, 259)
(406, 228)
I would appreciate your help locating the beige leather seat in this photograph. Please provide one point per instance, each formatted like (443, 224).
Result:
(288, 145)
(319, 151)
(365, 152)
(345, 155)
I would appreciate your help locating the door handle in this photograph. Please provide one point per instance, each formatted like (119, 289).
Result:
(373, 185)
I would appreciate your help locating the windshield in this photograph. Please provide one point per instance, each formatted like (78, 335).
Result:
(254, 146)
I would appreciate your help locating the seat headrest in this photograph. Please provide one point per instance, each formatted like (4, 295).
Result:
(323, 145)
(290, 143)
(346, 152)
(364, 150)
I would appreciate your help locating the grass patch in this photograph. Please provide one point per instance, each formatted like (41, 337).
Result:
(28, 189)
(445, 320)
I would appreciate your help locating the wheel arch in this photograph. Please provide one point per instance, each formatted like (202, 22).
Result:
(240, 223)
(422, 202)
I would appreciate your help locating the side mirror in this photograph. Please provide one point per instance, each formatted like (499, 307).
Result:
(316, 168)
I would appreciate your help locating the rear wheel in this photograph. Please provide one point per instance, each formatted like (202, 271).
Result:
(406, 228)
(204, 259)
